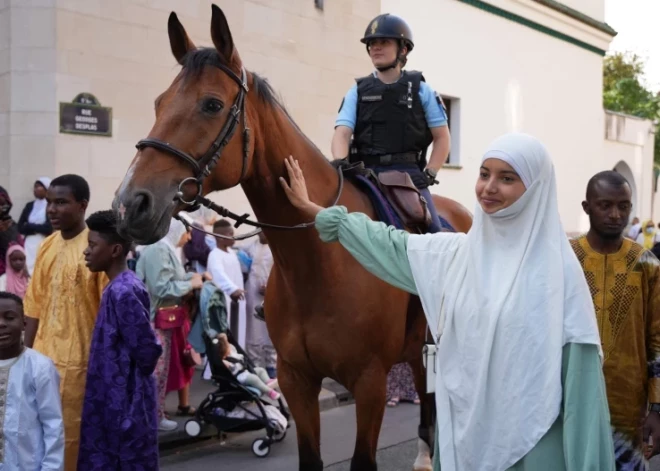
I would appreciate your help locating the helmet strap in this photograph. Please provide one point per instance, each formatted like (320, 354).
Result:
(385, 68)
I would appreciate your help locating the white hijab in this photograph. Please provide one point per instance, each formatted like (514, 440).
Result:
(503, 299)
(38, 213)
(173, 236)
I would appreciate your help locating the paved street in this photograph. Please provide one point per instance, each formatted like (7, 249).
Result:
(397, 446)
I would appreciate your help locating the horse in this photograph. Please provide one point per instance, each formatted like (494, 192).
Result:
(326, 315)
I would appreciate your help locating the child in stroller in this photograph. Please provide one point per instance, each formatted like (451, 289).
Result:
(235, 407)
(236, 363)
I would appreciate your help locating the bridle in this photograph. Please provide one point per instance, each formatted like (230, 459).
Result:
(203, 166)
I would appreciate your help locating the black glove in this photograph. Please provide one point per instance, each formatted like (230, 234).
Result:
(430, 176)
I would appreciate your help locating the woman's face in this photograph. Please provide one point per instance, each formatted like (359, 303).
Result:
(383, 51)
(39, 191)
(184, 239)
(650, 226)
(17, 261)
(4, 205)
(498, 186)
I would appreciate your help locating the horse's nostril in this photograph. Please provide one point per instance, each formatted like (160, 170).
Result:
(142, 203)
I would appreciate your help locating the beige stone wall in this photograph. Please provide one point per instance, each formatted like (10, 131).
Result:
(119, 51)
(28, 107)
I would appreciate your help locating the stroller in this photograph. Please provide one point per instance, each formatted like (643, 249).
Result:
(234, 407)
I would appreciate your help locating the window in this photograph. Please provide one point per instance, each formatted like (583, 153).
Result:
(453, 106)
(318, 4)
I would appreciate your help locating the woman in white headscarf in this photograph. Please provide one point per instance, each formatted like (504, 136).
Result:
(34, 223)
(160, 267)
(519, 383)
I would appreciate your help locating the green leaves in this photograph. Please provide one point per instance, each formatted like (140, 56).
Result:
(625, 92)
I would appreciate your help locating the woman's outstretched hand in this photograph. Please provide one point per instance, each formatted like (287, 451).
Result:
(296, 189)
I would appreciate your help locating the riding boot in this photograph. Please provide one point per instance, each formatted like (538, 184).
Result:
(259, 312)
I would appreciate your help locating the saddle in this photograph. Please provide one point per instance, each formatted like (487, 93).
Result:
(410, 207)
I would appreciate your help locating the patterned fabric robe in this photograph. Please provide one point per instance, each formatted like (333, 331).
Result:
(65, 296)
(119, 428)
(625, 287)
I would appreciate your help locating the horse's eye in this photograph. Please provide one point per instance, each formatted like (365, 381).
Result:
(212, 106)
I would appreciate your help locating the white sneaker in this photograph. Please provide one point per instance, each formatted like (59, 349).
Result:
(167, 425)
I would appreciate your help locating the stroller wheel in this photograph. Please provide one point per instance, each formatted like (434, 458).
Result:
(279, 436)
(193, 428)
(260, 447)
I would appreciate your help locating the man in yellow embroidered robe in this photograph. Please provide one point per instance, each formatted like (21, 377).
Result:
(62, 301)
(624, 279)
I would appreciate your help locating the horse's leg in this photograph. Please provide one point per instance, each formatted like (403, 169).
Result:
(426, 418)
(369, 393)
(302, 396)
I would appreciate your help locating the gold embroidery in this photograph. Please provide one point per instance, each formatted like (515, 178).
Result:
(624, 288)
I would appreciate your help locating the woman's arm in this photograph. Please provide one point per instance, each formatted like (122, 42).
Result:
(587, 432)
(379, 248)
(23, 225)
(159, 275)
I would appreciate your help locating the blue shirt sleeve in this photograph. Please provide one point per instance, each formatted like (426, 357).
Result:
(434, 111)
(348, 112)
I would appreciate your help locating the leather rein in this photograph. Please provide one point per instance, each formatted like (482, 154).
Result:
(204, 165)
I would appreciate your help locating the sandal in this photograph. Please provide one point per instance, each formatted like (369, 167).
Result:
(393, 402)
(186, 411)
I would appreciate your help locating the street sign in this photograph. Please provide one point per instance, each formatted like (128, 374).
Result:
(85, 115)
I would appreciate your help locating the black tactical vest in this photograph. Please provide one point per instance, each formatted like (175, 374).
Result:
(390, 117)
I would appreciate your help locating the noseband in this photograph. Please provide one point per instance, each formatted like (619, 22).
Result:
(203, 166)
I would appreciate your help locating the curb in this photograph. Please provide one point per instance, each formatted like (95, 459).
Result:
(332, 395)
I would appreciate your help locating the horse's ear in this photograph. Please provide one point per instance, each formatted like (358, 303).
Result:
(179, 40)
(221, 36)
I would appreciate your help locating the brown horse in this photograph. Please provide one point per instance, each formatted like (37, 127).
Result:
(326, 315)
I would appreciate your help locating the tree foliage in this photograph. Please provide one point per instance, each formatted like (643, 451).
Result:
(624, 91)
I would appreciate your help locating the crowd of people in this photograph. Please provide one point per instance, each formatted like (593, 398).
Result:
(103, 343)
(548, 349)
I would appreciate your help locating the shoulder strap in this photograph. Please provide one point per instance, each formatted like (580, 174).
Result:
(359, 80)
(415, 76)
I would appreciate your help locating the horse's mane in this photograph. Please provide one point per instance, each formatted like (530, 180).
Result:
(196, 60)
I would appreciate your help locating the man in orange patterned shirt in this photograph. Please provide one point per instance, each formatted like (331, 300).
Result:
(624, 279)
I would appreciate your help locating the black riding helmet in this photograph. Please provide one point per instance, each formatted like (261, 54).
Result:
(388, 26)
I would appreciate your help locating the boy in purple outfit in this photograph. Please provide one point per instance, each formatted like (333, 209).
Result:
(119, 428)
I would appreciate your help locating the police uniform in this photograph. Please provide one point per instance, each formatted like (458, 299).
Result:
(392, 123)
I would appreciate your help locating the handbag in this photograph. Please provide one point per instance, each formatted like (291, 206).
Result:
(170, 317)
(190, 358)
(429, 352)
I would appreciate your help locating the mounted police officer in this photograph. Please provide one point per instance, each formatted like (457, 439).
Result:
(393, 115)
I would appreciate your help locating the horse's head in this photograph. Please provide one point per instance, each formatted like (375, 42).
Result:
(195, 122)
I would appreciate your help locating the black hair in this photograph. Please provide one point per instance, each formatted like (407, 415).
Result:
(221, 224)
(78, 185)
(105, 223)
(12, 297)
(610, 177)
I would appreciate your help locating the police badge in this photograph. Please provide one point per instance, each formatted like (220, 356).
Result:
(374, 26)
